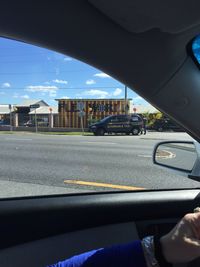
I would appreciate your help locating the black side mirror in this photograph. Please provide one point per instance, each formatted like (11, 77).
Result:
(179, 155)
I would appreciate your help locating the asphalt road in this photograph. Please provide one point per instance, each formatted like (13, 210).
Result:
(34, 164)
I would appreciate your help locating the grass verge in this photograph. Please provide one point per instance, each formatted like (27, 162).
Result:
(49, 133)
(66, 133)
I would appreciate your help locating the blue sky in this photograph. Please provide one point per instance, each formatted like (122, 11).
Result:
(30, 72)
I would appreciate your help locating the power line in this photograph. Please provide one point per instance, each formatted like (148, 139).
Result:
(24, 55)
(28, 61)
(45, 72)
(64, 88)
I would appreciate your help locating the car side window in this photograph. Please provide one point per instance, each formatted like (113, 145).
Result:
(125, 119)
(120, 119)
(114, 119)
(52, 108)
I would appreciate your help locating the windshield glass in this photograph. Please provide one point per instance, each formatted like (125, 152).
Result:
(48, 104)
(105, 119)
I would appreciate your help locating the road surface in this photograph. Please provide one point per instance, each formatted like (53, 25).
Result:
(34, 164)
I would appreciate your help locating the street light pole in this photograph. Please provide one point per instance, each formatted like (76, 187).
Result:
(36, 128)
(10, 107)
(125, 99)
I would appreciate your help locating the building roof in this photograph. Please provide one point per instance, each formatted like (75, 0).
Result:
(4, 109)
(27, 103)
(44, 110)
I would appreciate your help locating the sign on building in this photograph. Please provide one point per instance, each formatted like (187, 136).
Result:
(80, 106)
(35, 106)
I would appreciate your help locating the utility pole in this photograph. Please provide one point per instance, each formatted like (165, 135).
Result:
(125, 99)
(36, 128)
(10, 108)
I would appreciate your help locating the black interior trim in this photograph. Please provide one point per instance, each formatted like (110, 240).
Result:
(35, 218)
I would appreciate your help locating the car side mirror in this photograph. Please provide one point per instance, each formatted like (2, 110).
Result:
(179, 155)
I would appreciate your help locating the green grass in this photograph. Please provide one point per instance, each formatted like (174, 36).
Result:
(66, 133)
(6, 132)
(49, 133)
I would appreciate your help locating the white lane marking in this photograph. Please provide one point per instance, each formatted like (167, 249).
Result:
(105, 143)
(168, 156)
(19, 139)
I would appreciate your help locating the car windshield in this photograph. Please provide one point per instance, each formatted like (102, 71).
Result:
(48, 104)
(105, 119)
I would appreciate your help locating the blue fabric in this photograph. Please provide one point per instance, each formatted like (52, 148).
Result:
(127, 255)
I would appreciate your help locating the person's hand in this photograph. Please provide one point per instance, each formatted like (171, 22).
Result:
(182, 244)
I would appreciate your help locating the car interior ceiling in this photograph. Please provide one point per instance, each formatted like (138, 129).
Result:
(36, 231)
(77, 28)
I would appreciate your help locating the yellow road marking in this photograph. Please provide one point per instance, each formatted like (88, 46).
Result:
(115, 186)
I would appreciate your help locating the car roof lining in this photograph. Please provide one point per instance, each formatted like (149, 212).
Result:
(141, 15)
(78, 29)
(84, 31)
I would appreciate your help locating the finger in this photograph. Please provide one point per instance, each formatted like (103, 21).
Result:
(196, 224)
(193, 247)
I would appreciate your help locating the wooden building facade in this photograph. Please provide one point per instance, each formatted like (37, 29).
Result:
(91, 110)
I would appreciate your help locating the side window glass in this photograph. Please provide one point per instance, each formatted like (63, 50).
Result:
(126, 119)
(114, 119)
(122, 119)
(48, 102)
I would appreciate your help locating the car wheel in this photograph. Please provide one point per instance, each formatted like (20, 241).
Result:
(160, 129)
(100, 131)
(127, 133)
(135, 131)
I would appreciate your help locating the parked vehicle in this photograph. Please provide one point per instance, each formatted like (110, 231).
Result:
(40, 123)
(128, 124)
(4, 123)
(166, 124)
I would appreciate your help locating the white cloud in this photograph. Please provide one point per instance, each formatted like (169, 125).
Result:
(117, 92)
(6, 85)
(97, 93)
(67, 59)
(41, 88)
(102, 75)
(25, 97)
(60, 81)
(21, 96)
(65, 97)
(90, 82)
(51, 90)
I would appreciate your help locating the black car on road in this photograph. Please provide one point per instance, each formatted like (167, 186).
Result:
(4, 123)
(166, 124)
(128, 124)
(40, 123)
